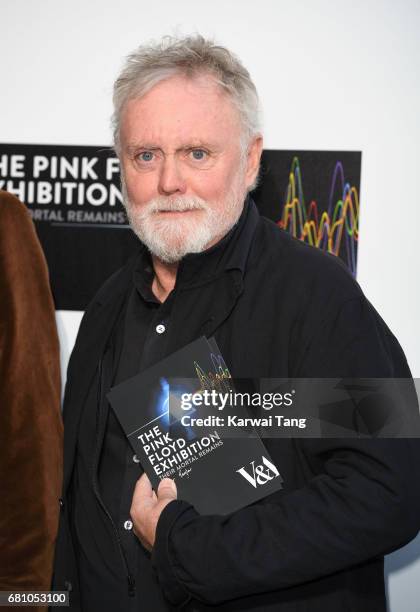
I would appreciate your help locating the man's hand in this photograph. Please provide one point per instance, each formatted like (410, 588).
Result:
(146, 507)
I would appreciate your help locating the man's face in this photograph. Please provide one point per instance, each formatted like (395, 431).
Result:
(184, 175)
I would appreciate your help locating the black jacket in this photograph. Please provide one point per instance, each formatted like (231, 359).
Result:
(277, 308)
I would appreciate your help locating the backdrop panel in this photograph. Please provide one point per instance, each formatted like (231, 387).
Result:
(73, 194)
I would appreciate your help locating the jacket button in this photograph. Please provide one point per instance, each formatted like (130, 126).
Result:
(68, 585)
(128, 525)
(61, 502)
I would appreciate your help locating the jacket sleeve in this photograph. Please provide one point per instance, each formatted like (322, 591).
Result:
(363, 503)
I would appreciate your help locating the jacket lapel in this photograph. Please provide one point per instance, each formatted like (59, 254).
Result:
(95, 331)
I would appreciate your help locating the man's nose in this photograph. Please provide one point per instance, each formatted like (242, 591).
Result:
(170, 178)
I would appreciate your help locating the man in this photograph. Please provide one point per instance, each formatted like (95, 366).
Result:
(188, 137)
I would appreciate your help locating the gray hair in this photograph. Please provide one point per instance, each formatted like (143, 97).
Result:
(190, 56)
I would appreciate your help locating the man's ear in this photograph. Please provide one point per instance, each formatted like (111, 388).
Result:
(253, 161)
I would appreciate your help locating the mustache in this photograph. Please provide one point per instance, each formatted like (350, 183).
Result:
(178, 204)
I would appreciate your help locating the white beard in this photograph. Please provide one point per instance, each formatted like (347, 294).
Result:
(170, 239)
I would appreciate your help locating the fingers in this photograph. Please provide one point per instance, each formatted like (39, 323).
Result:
(147, 506)
(167, 490)
(143, 488)
(143, 495)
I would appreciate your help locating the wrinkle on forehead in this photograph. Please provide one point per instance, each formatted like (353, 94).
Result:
(181, 110)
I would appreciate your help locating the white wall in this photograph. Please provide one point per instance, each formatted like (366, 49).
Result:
(331, 74)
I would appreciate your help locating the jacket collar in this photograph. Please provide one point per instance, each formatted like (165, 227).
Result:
(230, 253)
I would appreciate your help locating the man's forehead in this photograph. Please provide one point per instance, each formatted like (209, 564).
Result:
(190, 112)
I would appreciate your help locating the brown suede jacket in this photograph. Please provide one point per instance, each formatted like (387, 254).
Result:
(30, 419)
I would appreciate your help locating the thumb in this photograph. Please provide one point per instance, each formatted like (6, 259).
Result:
(167, 490)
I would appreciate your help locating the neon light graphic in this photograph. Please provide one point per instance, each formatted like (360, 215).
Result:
(335, 229)
(168, 408)
(219, 379)
(162, 401)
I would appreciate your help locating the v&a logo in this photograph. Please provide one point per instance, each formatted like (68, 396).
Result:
(261, 473)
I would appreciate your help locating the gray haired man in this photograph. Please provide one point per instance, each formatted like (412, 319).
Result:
(187, 132)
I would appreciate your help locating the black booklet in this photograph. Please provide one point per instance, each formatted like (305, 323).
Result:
(216, 472)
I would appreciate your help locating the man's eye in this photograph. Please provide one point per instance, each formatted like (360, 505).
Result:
(145, 156)
(198, 154)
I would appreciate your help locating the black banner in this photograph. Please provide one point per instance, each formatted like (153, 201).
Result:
(73, 194)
